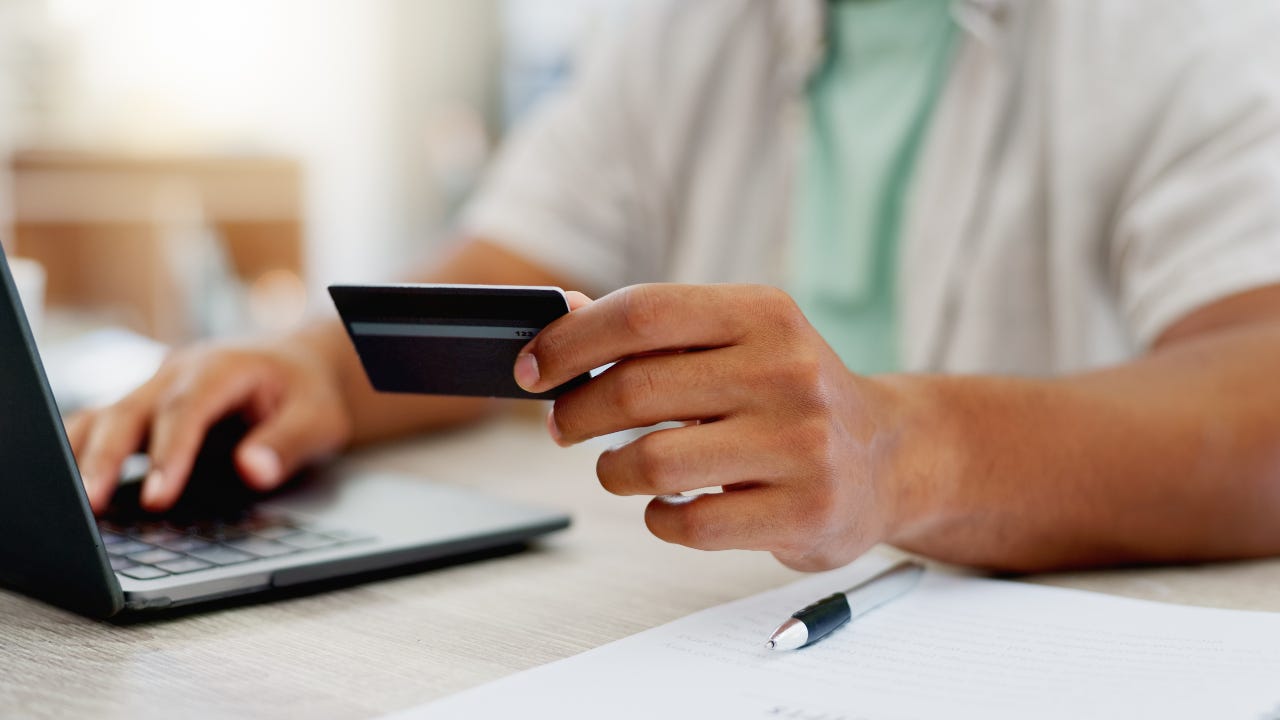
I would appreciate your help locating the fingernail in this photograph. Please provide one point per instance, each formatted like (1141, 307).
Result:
(526, 371)
(262, 463)
(152, 488)
(553, 428)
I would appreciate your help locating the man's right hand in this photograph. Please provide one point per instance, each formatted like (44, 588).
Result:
(291, 396)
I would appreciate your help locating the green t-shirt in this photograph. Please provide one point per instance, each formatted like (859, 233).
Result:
(869, 105)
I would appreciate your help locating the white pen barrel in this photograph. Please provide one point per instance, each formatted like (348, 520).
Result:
(883, 587)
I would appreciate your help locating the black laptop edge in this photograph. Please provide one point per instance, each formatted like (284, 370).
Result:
(49, 543)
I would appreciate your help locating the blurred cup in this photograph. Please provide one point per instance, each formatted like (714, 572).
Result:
(28, 276)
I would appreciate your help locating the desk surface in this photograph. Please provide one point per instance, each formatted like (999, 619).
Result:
(386, 645)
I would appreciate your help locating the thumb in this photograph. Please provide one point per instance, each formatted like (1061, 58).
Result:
(577, 300)
(284, 442)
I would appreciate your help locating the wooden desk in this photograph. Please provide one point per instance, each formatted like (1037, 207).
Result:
(383, 646)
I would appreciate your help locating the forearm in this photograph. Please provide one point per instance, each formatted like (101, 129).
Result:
(1173, 457)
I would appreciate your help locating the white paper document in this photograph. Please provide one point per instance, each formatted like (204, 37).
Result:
(953, 647)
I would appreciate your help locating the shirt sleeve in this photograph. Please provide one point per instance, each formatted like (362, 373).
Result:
(562, 192)
(1203, 221)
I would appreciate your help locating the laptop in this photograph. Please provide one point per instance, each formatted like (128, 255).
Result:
(221, 541)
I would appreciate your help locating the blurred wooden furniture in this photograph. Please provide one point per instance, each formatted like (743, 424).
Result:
(104, 226)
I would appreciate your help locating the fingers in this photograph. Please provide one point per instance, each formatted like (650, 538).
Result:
(666, 462)
(640, 319)
(744, 520)
(643, 391)
(105, 438)
(758, 518)
(77, 427)
(292, 400)
(286, 441)
(780, 418)
(185, 415)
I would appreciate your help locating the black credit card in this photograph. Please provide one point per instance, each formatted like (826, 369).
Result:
(447, 339)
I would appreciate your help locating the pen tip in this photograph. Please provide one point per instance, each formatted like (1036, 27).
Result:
(790, 635)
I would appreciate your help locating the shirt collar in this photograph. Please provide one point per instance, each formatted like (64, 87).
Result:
(803, 25)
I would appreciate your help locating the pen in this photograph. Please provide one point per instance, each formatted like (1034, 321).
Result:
(819, 619)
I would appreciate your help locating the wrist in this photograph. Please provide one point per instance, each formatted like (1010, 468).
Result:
(326, 347)
(324, 341)
(921, 449)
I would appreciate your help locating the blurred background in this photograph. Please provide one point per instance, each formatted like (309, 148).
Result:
(179, 169)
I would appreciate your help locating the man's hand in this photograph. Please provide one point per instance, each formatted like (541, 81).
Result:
(1171, 456)
(306, 396)
(802, 448)
(291, 398)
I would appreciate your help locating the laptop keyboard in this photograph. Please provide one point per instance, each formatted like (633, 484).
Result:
(149, 550)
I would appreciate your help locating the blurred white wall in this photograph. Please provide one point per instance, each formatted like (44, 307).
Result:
(446, 101)
(540, 39)
(370, 95)
(16, 57)
(391, 106)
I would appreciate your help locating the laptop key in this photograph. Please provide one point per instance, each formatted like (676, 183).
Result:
(151, 557)
(185, 544)
(110, 538)
(183, 565)
(218, 555)
(119, 563)
(128, 547)
(261, 548)
(143, 572)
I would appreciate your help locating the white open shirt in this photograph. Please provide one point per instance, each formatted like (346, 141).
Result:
(1095, 169)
